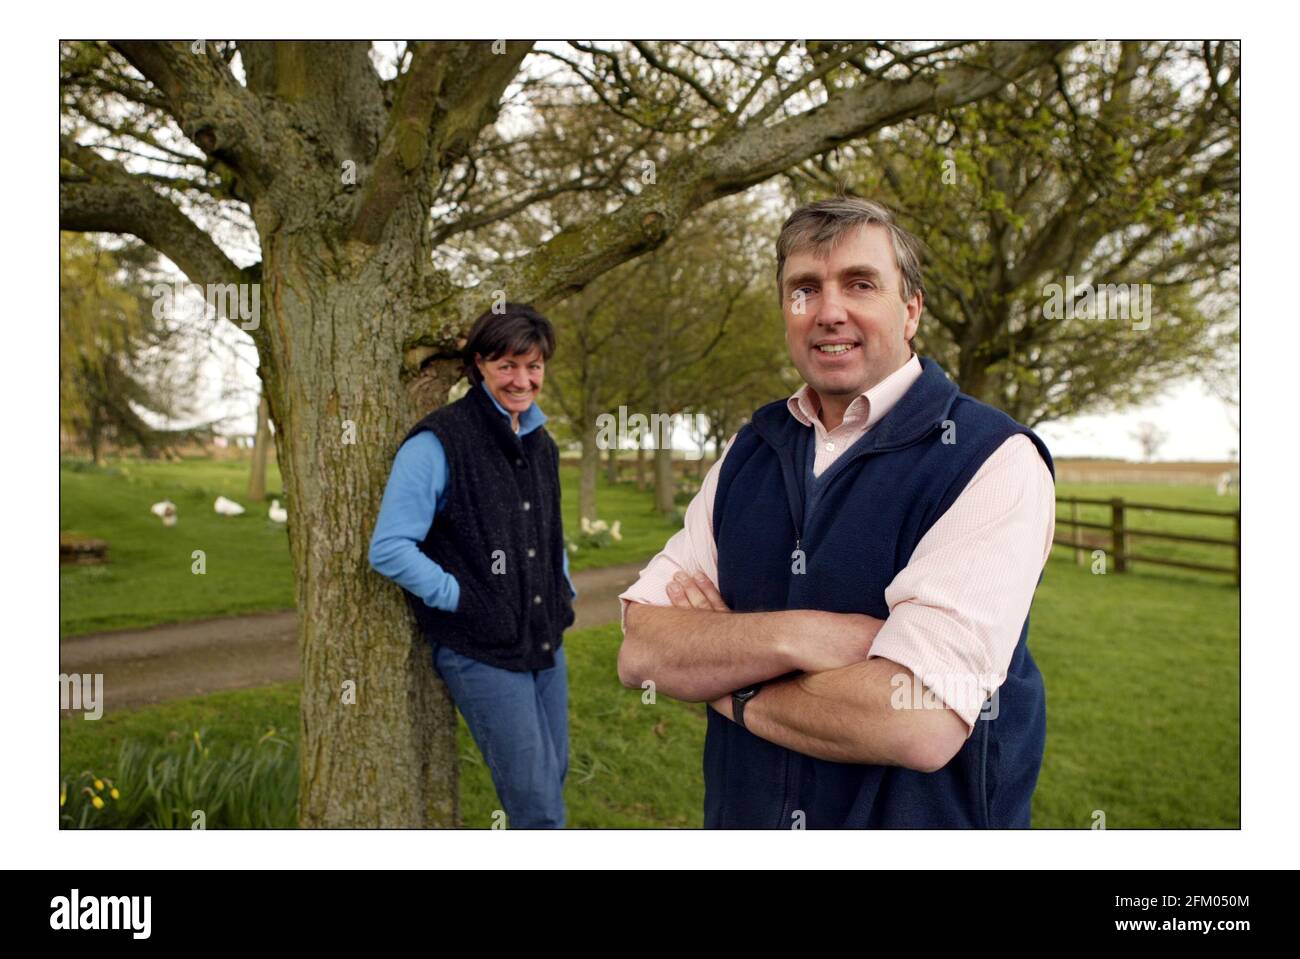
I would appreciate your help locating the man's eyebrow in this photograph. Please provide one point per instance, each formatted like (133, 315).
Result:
(862, 269)
(799, 279)
(865, 270)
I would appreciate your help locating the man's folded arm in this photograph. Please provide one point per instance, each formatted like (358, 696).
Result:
(697, 655)
(849, 715)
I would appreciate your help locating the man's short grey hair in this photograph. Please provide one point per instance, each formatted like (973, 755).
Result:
(819, 226)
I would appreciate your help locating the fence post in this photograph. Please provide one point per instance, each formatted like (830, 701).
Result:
(1117, 544)
(1236, 529)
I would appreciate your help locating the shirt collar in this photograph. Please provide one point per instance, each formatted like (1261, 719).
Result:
(805, 404)
(529, 419)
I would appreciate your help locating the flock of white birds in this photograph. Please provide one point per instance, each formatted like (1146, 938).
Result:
(166, 510)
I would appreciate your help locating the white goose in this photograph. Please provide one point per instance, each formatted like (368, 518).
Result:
(165, 511)
(227, 507)
(277, 512)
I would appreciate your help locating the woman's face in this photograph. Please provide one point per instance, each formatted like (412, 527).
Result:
(515, 380)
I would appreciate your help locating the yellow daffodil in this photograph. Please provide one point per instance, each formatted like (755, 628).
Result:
(97, 802)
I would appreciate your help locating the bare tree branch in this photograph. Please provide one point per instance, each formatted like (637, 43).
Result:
(114, 201)
(222, 118)
(737, 159)
(684, 76)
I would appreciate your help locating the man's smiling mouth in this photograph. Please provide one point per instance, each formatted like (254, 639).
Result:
(835, 349)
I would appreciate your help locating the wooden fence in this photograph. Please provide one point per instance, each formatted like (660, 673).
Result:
(1121, 534)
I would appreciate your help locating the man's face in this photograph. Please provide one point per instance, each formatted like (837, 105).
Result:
(846, 323)
(515, 380)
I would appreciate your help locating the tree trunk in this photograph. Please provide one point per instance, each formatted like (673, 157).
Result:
(640, 467)
(975, 382)
(973, 369)
(377, 735)
(590, 465)
(93, 437)
(611, 466)
(665, 488)
(257, 478)
(665, 485)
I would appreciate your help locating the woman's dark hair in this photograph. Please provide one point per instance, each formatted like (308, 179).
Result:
(519, 329)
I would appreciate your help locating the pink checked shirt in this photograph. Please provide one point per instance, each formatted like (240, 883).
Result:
(957, 608)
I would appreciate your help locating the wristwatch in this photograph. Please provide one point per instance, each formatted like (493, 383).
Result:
(738, 700)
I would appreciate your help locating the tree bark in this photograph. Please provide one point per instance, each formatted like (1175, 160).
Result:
(378, 732)
(640, 467)
(611, 466)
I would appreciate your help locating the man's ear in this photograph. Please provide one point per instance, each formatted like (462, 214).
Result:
(914, 307)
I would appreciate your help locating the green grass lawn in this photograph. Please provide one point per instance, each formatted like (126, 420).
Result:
(149, 580)
(149, 577)
(1143, 699)
(1142, 676)
(644, 530)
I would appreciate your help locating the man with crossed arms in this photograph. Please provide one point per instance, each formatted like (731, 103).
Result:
(850, 591)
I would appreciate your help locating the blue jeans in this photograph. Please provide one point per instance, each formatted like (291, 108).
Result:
(520, 722)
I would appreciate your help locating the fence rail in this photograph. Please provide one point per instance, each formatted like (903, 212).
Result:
(1120, 549)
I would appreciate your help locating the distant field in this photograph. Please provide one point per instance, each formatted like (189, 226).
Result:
(1123, 471)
